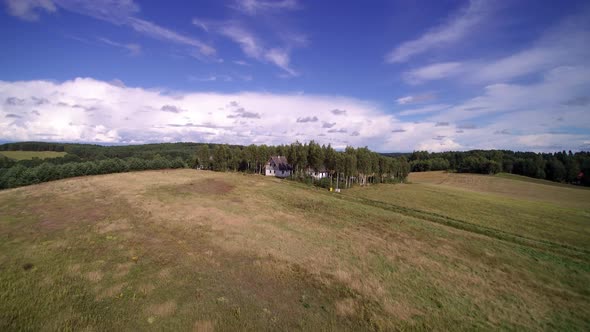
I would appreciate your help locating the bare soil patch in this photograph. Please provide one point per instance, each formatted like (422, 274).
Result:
(206, 187)
(163, 309)
(203, 326)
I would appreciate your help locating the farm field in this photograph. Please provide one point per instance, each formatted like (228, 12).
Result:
(24, 155)
(199, 250)
(538, 181)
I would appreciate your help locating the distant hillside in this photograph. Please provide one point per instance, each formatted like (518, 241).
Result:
(396, 154)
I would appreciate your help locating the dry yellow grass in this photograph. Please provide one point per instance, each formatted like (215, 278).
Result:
(199, 250)
(24, 155)
(570, 196)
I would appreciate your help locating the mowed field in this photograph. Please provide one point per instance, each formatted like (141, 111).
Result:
(204, 251)
(23, 155)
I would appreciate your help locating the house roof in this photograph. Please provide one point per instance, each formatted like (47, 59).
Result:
(280, 162)
(322, 169)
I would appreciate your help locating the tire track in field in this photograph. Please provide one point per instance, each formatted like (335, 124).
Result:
(558, 248)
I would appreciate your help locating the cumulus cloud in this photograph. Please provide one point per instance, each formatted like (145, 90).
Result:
(171, 109)
(442, 124)
(448, 33)
(338, 112)
(160, 115)
(14, 101)
(339, 131)
(39, 101)
(123, 114)
(242, 113)
(307, 119)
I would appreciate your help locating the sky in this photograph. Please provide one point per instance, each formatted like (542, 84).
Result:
(396, 76)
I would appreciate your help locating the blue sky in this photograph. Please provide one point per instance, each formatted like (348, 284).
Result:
(391, 75)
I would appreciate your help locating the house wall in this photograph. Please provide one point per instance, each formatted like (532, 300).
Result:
(317, 175)
(271, 171)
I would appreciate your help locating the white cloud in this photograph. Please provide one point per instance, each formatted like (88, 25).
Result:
(119, 12)
(85, 109)
(433, 71)
(29, 9)
(241, 63)
(132, 48)
(424, 110)
(114, 11)
(537, 116)
(564, 44)
(450, 32)
(88, 110)
(415, 98)
(158, 32)
(254, 7)
(250, 44)
(213, 78)
(549, 96)
(281, 59)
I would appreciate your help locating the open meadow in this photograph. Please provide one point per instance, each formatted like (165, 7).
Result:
(199, 250)
(26, 155)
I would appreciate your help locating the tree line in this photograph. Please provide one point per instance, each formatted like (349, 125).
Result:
(20, 175)
(345, 168)
(351, 166)
(566, 167)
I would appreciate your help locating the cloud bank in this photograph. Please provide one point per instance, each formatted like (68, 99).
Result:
(89, 110)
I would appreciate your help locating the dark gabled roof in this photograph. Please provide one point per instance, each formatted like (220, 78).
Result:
(280, 162)
(322, 169)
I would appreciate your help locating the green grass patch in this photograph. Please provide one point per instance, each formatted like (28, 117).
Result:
(27, 155)
(538, 181)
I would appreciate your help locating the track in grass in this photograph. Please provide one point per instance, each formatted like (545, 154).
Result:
(189, 249)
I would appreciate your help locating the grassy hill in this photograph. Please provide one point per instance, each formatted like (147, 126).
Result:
(188, 249)
(24, 155)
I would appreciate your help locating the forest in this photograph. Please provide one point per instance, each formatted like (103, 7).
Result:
(565, 167)
(351, 166)
(348, 167)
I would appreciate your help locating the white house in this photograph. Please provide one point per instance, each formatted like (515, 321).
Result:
(319, 174)
(278, 166)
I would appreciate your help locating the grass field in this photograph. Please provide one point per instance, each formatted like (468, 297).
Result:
(197, 250)
(23, 155)
(538, 181)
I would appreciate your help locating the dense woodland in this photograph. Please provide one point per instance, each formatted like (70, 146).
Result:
(562, 166)
(352, 166)
(346, 168)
